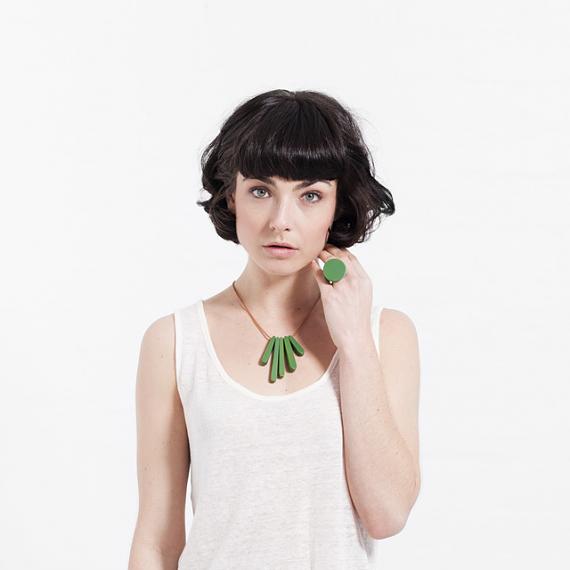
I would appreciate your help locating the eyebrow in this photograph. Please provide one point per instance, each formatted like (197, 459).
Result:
(303, 184)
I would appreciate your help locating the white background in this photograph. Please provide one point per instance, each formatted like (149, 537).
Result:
(105, 108)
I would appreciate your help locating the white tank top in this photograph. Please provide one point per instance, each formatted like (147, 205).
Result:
(268, 485)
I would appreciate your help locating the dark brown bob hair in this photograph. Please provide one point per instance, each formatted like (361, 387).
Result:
(296, 135)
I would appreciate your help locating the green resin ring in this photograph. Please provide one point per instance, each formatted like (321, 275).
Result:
(334, 269)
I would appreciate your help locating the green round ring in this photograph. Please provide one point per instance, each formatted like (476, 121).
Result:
(334, 269)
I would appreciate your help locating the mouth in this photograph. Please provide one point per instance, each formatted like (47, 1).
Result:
(279, 251)
(280, 246)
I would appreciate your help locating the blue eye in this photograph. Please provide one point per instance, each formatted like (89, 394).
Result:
(318, 194)
(254, 189)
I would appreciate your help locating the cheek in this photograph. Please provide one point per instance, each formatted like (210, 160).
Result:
(318, 237)
(321, 229)
(248, 225)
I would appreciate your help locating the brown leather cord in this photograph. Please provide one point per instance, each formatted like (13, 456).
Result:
(259, 326)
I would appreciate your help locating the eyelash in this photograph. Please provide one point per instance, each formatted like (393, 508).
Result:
(252, 190)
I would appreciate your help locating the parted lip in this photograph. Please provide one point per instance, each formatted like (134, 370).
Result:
(281, 243)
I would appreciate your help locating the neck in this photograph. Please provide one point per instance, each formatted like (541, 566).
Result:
(278, 296)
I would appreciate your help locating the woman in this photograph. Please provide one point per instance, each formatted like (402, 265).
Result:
(291, 395)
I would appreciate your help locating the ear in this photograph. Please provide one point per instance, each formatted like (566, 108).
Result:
(231, 203)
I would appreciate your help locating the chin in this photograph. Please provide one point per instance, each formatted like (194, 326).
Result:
(280, 266)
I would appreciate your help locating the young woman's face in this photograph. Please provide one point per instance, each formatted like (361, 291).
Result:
(279, 210)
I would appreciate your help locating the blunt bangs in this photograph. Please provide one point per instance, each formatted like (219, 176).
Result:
(293, 142)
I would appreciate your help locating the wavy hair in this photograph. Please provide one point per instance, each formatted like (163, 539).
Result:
(296, 135)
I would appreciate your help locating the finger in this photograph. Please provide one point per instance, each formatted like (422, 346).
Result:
(324, 255)
(341, 253)
(318, 273)
(333, 248)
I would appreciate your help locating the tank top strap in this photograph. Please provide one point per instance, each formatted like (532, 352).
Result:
(188, 340)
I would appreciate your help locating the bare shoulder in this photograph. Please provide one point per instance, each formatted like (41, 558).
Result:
(397, 323)
(398, 335)
(160, 333)
(156, 369)
(399, 347)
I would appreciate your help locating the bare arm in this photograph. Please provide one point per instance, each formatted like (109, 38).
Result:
(163, 455)
(379, 400)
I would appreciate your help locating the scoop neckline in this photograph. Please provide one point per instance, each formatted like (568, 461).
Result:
(322, 379)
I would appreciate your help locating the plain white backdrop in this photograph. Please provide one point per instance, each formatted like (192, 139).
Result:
(105, 108)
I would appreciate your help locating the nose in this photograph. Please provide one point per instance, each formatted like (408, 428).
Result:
(281, 216)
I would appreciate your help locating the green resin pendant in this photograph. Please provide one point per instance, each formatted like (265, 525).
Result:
(280, 347)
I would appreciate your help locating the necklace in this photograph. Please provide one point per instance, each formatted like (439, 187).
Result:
(278, 347)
